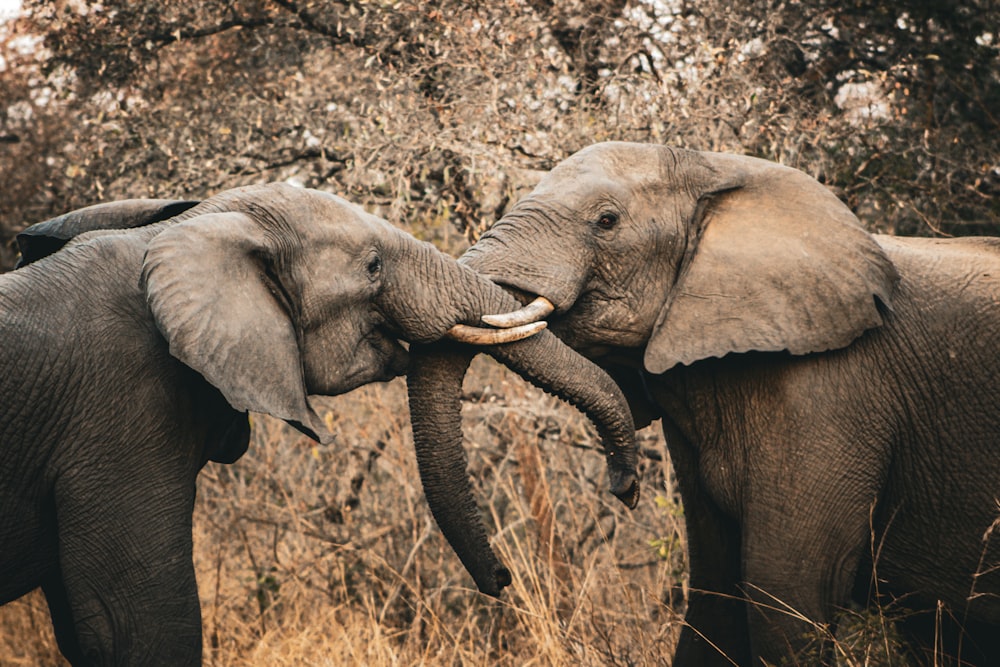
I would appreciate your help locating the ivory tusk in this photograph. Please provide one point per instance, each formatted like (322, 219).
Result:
(464, 333)
(534, 311)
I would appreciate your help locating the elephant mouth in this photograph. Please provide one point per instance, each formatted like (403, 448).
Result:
(535, 307)
(531, 300)
(399, 360)
(572, 315)
(391, 352)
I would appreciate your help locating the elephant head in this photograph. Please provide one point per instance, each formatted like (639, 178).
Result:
(316, 307)
(275, 293)
(687, 255)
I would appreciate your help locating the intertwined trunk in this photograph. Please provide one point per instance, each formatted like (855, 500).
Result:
(435, 383)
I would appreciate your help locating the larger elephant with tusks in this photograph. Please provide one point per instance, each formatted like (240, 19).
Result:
(136, 336)
(830, 398)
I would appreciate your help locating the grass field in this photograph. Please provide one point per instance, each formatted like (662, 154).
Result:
(312, 555)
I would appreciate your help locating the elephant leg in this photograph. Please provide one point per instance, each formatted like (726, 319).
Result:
(801, 553)
(62, 619)
(126, 555)
(715, 628)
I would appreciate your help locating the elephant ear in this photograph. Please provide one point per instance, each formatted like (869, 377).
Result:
(779, 263)
(208, 285)
(44, 238)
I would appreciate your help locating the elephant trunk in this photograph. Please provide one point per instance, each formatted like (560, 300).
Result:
(547, 362)
(435, 381)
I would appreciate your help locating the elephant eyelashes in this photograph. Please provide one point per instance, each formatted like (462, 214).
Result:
(374, 267)
(607, 220)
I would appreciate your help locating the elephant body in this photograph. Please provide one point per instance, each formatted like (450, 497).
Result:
(830, 398)
(135, 339)
(103, 436)
(810, 482)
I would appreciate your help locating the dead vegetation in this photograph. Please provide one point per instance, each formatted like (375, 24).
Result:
(310, 555)
(437, 116)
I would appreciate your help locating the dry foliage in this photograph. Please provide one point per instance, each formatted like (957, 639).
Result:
(309, 555)
(437, 115)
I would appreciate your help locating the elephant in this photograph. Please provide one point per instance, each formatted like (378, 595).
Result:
(136, 337)
(830, 397)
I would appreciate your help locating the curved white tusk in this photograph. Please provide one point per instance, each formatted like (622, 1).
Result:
(534, 311)
(463, 333)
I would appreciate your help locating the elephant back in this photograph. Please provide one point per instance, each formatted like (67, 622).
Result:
(45, 238)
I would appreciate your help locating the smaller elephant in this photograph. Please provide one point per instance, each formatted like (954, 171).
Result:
(830, 397)
(137, 335)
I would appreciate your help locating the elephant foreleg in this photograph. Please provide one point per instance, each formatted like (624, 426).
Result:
(715, 628)
(801, 552)
(128, 578)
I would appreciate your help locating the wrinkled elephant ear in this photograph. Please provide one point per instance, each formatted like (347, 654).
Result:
(779, 263)
(206, 284)
(44, 238)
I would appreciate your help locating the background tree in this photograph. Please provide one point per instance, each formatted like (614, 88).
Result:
(436, 115)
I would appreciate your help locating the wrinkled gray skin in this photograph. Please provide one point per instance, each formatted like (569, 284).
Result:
(830, 398)
(268, 295)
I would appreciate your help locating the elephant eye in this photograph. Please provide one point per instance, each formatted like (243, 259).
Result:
(607, 220)
(374, 266)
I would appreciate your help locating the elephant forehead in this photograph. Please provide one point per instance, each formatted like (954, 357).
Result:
(612, 150)
(571, 184)
(580, 192)
(618, 158)
(352, 221)
(606, 167)
(341, 242)
(324, 218)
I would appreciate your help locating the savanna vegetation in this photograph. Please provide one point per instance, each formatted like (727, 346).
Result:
(437, 116)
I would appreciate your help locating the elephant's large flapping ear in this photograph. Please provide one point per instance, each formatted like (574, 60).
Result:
(779, 263)
(44, 238)
(209, 286)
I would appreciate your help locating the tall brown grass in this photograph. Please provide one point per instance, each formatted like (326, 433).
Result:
(311, 555)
